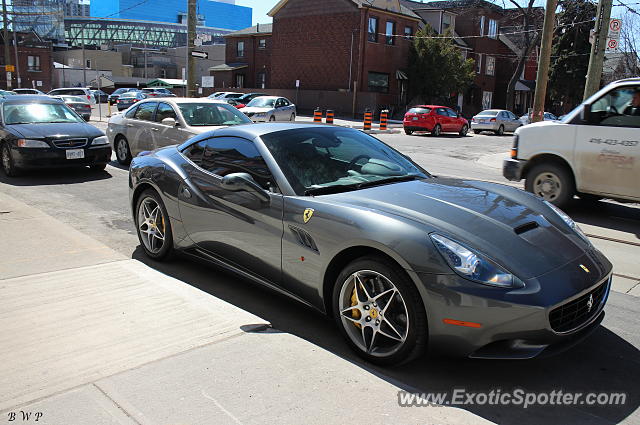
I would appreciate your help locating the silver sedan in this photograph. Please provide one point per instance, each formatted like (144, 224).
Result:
(269, 109)
(497, 120)
(155, 123)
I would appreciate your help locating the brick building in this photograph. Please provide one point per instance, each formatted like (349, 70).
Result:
(248, 59)
(34, 67)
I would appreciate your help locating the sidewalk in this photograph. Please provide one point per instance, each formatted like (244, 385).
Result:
(91, 337)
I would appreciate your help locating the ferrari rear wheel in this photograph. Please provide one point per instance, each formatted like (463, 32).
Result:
(379, 313)
(153, 226)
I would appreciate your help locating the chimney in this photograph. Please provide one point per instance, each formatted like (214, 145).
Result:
(258, 27)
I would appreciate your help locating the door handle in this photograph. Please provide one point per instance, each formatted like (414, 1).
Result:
(155, 129)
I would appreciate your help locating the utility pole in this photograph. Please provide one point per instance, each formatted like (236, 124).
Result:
(594, 74)
(15, 44)
(5, 36)
(191, 37)
(84, 65)
(545, 58)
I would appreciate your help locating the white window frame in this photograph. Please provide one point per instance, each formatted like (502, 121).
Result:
(490, 66)
(240, 50)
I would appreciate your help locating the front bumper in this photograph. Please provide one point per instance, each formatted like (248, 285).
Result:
(512, 169)
(511, 324)
(29, 158)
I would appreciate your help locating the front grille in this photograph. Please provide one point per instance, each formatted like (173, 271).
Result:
(70, 143)
(575, 313)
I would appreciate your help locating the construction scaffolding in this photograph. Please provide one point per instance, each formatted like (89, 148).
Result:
(44, 17)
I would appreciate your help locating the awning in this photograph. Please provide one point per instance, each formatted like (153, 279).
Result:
(525, 85)
(228, 67)
(400, 75)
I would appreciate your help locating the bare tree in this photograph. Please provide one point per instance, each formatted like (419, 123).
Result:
(629, 45)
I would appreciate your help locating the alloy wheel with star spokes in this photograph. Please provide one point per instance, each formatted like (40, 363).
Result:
(153, 225)
(376, 317)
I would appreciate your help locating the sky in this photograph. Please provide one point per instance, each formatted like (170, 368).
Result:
(260, 9)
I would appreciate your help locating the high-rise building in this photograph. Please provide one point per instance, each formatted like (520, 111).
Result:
(44, 17)
(77, 8)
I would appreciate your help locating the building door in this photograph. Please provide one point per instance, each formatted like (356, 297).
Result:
(240, 81)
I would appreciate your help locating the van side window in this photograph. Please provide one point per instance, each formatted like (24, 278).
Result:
(618, 108)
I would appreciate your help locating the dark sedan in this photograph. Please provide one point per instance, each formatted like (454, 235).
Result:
(129, 98)
(78, 104)
(402, 260)
(41, 132)
(113, 97)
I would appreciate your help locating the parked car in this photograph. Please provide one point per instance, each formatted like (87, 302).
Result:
(594, 152)
(157, 92)
(78, 104)
(125, 100)
(270, 108)
(74, 91)
(400, 259)
(548, 116)
(113, 97)
(226, 95)
(435, 120)
(100, 96)
(246, 98)
(42, 132)
(28, 91)
(496, 120)
(5, 93)
(155, 123)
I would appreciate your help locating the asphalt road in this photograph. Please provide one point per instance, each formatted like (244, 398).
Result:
(96, 203)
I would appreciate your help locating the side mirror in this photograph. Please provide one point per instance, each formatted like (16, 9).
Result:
(237, 182)
(171, 122)
(586, 115)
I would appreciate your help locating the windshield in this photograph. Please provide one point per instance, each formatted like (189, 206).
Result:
(75, 99)
(489, 113)
(35, 113)
(262, 102)
(211, 114)
(419, 110)
(327, 160)
(129, 94)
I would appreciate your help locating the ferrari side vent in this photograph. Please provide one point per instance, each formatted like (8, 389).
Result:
(304, 238)
(526, 227)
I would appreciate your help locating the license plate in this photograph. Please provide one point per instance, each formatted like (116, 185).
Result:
(415, 118)
(75, 153)
(481, 121)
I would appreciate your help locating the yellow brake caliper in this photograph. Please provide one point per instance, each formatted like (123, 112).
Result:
(355, 313)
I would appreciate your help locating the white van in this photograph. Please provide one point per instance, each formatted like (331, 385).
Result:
(593, 152)
(75, 91)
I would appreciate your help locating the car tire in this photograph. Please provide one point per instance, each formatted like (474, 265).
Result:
(149, 242)
(464, 130)
(500, 131)
(8, 166)
(98, 167)
(272, 118)
(293, 117)
(408, 132)
(477, 131)
(123, 153)
(404, 309)
(437, 131)
(553, 182)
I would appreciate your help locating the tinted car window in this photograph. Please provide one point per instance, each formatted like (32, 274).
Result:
(145, 111)
(194, 152)
(69, 92)
(131, 112)
(442, 111)
(452, 113)
(419, 110)
(211, 114)
(165, 111)
(226, 155)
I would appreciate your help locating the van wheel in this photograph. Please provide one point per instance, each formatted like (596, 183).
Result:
(552, 182)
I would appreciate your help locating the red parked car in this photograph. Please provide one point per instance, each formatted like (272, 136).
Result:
(434, 119)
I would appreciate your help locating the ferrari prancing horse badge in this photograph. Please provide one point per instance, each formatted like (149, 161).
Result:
(306, 216)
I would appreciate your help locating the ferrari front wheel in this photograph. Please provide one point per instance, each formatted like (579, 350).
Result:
(379, 313)
(153, 226)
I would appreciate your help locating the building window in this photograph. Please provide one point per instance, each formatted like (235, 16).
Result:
(373, 29)
(88, 64)
(479, 64)
(491, 65)
(378, 82)
(446, 22)
(262, 43)
(408, 33)
(482, 25)
(493, 28)
(390, 31)
(262, 80)
(240, 81)
(487, 98)
(240, 49)
(163, 73)
(33, 63)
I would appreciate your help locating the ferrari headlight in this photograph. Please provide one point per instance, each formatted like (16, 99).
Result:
(568, 220)
(30, 143)
(472, 265)
(100, 141)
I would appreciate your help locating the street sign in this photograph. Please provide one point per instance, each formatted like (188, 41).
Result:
(10, 68)
(207, 81)
(615, 25)
(197, 42)
(39, 83)
(200, 55)
(612, 45)
(297, 83)
(8, 79)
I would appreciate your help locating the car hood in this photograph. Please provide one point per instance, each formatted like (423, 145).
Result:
(508, 225)
(255, 110)
(55, 130)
